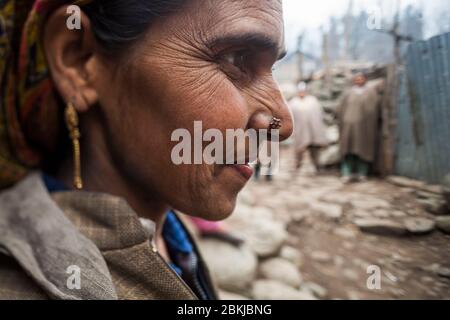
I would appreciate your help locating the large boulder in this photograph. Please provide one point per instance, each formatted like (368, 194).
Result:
(292, 254)
(274, 290)
(264, 234)
(281, 270)
(233, 268)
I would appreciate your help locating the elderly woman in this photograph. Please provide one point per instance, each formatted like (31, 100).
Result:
(90, 194)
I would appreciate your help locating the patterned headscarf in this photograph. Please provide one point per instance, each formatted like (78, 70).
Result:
(27, 100)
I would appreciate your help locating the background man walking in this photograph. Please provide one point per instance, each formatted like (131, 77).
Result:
(309, 128)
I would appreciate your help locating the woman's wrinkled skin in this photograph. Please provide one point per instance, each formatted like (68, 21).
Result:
(210, 61)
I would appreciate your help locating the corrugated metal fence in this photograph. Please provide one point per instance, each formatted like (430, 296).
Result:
(423, 113)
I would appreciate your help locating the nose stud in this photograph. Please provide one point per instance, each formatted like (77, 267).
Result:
(275, 124)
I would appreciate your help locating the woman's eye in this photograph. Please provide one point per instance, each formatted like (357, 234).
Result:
(236, 59)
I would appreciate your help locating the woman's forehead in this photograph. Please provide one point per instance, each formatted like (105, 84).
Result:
(235, 19)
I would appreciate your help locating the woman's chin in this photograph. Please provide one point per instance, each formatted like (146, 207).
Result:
(217, 210)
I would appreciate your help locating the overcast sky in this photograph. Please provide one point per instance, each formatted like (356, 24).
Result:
(311, 14)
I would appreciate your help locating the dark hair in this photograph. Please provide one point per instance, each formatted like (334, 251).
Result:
(117, 23)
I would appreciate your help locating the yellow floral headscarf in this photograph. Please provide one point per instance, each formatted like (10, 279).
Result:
(27, 101)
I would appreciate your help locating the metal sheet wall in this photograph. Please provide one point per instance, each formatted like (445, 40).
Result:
(423, 113)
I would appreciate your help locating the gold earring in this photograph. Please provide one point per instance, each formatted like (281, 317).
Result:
(71, 117)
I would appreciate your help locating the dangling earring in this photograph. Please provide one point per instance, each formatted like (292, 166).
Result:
(74, 133)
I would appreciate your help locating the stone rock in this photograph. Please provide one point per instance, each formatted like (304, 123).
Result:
(266, 238)
(298, 217)
(350, 274)
(360, 263)
(443, 224)
(329, 118)
(415, 184)
(419, 225)
(274, 290)
(405, 182)
(353, 295)
(437, 206)
(297, 204)
(390, 276)
(331, 211)
(397, 292)
(432, 267)
(370, 204)
(436, 189)
(281, 270)
(332, 133)
(361, 213)
(398, 214)
(338, 198)
(345, 233)
(307, 294)
(381, 213)
(444, 272)
(292, 254)
(437, 269)
(224, 295)
(338, 261)
(330, 156)
(315, 289)
(260, 230)
(321, 256)
(233, 268)
(420, 194)
(381, 227)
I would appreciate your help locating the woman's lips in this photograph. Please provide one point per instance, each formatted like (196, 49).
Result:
(244, 169)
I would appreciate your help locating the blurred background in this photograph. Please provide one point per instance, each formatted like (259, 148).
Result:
(307, 233)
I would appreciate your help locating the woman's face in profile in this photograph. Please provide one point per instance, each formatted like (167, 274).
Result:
(210, 61)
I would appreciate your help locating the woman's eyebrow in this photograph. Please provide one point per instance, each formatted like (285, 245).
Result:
(253, 39)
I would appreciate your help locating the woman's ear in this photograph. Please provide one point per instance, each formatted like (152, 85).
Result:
(71, 59)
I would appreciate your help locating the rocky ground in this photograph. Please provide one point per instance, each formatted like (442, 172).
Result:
(311, 237)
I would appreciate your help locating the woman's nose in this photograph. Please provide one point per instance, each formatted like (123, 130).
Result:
(264, 118)
(287, 122)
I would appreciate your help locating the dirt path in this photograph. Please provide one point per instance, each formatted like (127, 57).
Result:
(336, 255)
